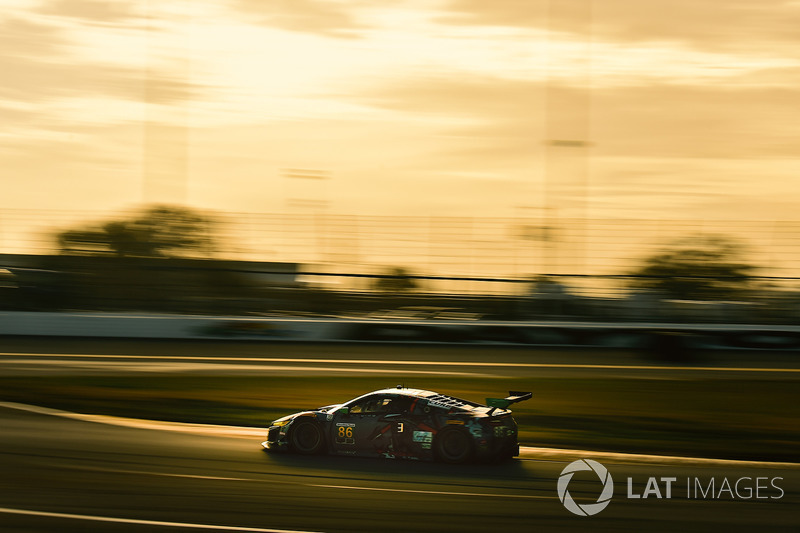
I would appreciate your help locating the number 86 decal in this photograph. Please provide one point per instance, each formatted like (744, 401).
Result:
(344, 434)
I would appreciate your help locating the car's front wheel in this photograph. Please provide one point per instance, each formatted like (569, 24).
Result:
(306, 437)
(453, 446)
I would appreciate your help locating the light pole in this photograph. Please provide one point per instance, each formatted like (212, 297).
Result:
(567, 112)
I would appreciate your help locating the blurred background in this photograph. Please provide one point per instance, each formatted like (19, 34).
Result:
(514, 160)
(179, 259)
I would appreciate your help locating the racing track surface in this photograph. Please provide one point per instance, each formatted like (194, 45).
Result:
(59, 474)
(39, 356)
(66, 475)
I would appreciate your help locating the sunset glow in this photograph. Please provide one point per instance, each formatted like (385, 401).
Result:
(424, 107)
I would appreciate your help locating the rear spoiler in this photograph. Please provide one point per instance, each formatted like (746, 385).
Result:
(513, 397)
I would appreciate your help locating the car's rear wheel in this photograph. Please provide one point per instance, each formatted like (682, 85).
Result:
(453, 446)
(306, 437)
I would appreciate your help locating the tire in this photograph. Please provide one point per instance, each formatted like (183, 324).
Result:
(306, 438)
(453, 446)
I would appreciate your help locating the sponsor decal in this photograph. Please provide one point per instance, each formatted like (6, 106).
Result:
(344, 433)
(423, 436)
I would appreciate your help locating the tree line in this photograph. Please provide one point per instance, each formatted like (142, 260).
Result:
(703, 267)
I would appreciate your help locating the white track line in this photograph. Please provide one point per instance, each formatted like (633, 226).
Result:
(407, 362)
(531, 453)
(218, 365)
(316, 485)
(186, 525)
(201, 429)
(439, 492)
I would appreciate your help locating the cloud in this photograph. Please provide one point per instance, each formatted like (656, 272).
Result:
(664, 121)
(711, 24)
(50, 86)
(37, 81)
(448, 95)
(327, 18)
(73, 166)
(423, 101)
(659, 120)
(23, 38)
(99, 11)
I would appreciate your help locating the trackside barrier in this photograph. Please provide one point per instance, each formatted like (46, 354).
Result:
(658, 337)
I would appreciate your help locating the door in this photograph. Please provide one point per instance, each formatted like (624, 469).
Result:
(370, 427)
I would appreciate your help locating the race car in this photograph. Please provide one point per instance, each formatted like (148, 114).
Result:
(403, 423)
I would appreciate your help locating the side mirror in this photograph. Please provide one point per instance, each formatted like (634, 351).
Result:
(344, 411)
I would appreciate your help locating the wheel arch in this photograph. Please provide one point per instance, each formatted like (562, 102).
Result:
(299, 421)
(444, 435)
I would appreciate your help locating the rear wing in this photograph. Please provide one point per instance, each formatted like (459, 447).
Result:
(503, 403)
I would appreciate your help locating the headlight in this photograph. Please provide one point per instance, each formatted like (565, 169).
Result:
(281, 423)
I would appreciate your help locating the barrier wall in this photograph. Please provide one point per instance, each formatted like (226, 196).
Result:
(656, 336)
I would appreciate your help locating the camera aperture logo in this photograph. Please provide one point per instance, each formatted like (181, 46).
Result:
(587, 509)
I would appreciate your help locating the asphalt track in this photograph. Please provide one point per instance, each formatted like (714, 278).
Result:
(39, 356)
(62, 474)
(68, 474)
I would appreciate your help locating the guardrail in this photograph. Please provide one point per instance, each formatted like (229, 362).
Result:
(668, 338)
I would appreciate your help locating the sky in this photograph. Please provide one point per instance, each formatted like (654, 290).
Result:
(663, 109)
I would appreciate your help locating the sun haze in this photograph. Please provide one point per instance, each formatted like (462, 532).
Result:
(661, 109)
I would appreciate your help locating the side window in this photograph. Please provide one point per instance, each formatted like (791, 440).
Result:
(359, 406)
(369, 405)
(380, 405)
(400, 404)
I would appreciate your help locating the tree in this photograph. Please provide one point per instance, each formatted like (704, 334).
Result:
(397, 281)
(159, 231)
(155, 259)
(702, 267)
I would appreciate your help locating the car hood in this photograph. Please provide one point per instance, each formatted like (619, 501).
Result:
(306, 413)
(292, 416)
